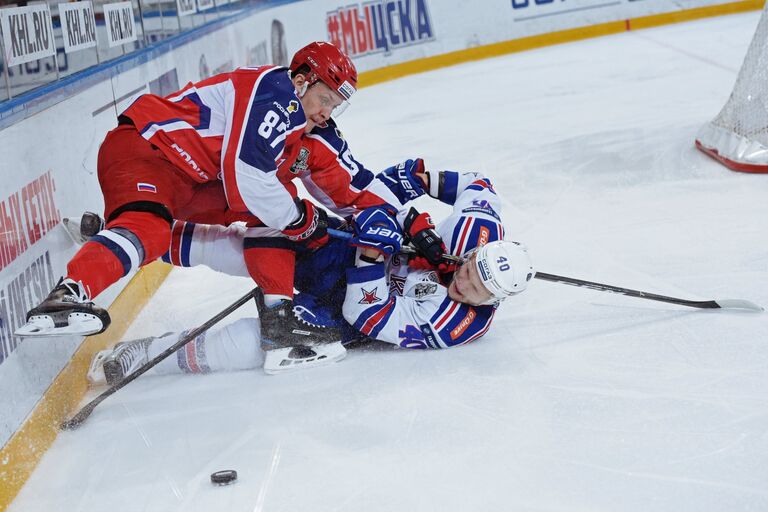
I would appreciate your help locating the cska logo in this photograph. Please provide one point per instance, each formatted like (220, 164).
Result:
(379, 26)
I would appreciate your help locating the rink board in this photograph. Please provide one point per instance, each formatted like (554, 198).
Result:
(52, 174)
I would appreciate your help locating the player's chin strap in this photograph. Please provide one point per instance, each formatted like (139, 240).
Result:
(731, 304)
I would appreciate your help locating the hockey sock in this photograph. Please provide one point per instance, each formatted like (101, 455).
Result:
(182, 234)
(130, 241)
(271, 263)
(234, 347)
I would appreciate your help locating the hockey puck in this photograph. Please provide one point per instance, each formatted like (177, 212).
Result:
(224, 477)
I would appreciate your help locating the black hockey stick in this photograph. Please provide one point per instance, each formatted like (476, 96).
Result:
(85, 412)
(701, 304)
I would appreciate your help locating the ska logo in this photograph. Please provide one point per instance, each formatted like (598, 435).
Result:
(369, 297)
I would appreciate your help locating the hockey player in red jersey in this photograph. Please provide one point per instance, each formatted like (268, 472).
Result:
(367, 290)
(397, 303)
(218, 151)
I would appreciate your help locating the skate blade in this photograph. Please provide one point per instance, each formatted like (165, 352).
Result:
(96, 375)
(72, 228)
(81, 324)
(284, 360)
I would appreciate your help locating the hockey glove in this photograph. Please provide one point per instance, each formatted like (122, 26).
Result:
(417, 262)
(311, 228)
(377, 228)
(420, 232)
(403, 181)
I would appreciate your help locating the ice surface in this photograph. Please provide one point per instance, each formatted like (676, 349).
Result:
(576, 400)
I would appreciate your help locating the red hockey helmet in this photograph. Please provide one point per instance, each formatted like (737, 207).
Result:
(328, 64)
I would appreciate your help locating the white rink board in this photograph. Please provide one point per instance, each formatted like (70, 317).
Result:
(49, 141)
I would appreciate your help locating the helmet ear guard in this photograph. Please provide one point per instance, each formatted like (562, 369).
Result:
(504, 267)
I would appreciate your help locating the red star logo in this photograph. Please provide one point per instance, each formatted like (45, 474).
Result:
(369, 297)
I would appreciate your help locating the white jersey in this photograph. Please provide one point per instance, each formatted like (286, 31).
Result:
(410, 308)
(390, 302)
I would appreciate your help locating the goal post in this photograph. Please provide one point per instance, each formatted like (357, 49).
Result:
(738, 136)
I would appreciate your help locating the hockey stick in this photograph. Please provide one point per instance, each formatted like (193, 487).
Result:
(85, 412)
(701, 304)
(405, 249)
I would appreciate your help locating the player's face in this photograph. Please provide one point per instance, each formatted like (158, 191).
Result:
(318, 103)
(466, 286)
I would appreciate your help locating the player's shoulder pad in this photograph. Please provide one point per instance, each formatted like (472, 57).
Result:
(330, 134)
(480, 206)
(456, 323)
(470, 231)
(276, 92)
(481, 184)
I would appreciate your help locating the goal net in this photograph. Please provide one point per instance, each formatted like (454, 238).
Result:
(738, 136)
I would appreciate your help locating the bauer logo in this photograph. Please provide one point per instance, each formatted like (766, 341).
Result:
(381, 26)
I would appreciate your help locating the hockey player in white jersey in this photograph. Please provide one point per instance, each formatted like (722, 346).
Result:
(383, 297)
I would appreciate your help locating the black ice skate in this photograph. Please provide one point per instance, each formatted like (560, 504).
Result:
(111, 366)
(66, 311)
(291, 343)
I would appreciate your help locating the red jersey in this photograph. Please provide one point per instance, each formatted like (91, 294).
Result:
(243, 128)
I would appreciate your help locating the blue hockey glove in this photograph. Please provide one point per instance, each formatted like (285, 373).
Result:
(401, 179)
(377, 228)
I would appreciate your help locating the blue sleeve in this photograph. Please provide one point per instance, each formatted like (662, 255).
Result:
(333, 138)
(456, 324)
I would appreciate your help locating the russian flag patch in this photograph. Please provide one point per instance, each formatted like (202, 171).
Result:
(146, 187)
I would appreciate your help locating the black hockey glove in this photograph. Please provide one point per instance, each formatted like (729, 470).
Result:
(420, 232)
(311, 228)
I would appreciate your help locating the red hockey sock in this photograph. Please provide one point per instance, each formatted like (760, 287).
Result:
(131, 240)
(271, 263)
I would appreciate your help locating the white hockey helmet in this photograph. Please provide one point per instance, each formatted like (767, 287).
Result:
(504, 267)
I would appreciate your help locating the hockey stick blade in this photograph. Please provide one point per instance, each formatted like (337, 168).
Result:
(83, 414)
(78, 419)
(739, 304)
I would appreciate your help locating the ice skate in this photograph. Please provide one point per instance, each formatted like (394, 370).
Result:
(113, 365)
(292, 341)
(66, 311)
